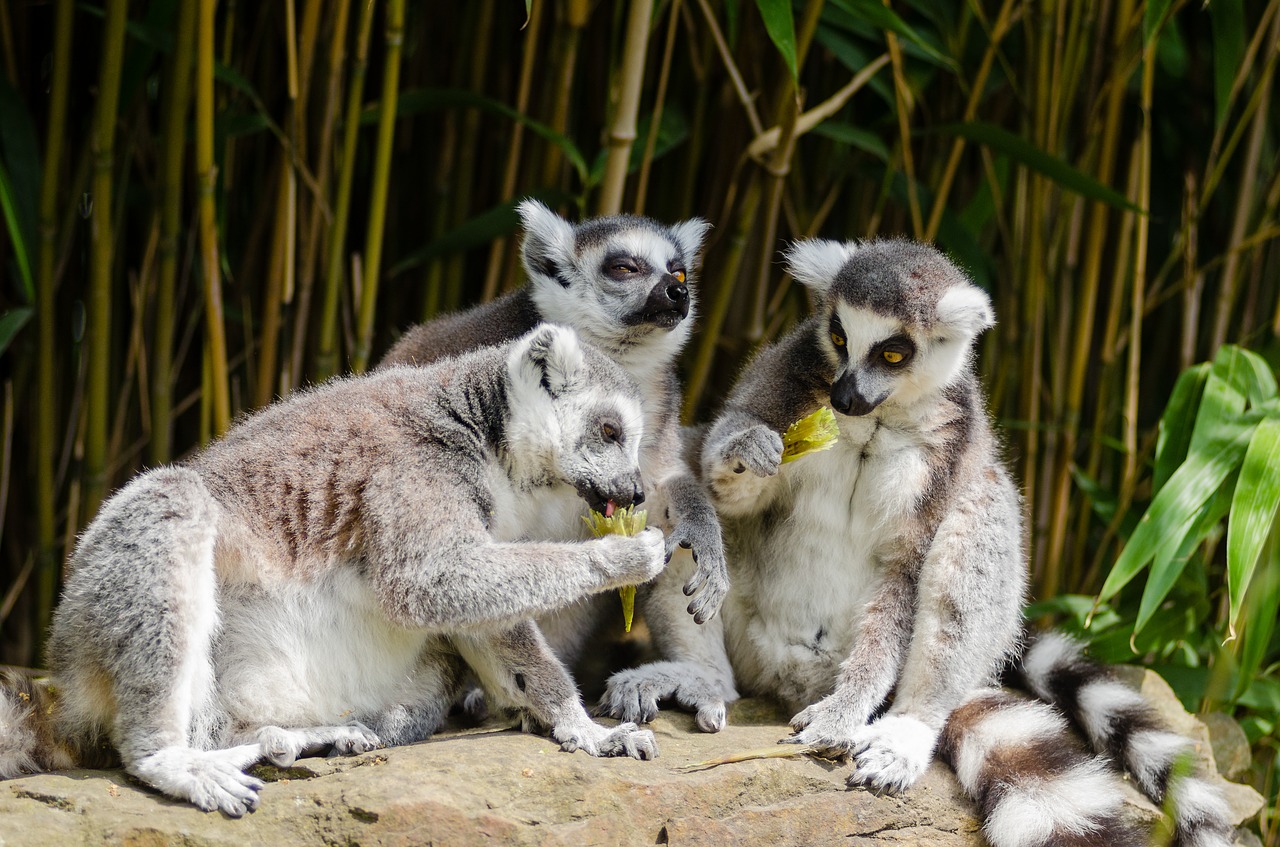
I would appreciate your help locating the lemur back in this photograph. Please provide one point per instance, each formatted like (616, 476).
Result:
(626, 284)
(316, 578)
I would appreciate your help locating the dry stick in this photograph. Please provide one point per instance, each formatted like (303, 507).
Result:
(217, 412)
(731, 68)
(46, 434)
(659, 101)
(327, 352)
(1059, 513)
(320, 210)
(1249, 178)
(904, 107)
(1004, 21)
(622, 132)
(381, 181)
(101, 240)
(511, 170)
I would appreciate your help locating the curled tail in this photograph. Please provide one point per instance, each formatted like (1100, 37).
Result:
(1034, 784)
(27, 742)
(1118, 722)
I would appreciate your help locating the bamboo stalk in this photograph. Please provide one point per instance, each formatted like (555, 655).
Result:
(177, 102)
(217, 401)
(46, 435)
(498, 250)
(560, 92)
(102, 244)
(381, 181)
(327, 346)
(622, 130)
(905, 105)
(659, 102)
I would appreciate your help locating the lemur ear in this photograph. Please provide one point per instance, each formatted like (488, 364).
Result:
(688, 235)
(548, 242)
(547, 359)
(965, 308)
(816, 261)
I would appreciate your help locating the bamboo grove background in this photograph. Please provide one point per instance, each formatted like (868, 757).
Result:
(208, 205)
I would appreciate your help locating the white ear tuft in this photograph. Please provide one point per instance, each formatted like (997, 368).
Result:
(689, 235)
(967, 309)
(816, 261)
(547, 358)
(548, 241)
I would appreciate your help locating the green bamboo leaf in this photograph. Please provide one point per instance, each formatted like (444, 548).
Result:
(1262, 605)
(420, 100)
(1176, 507)
(1236, 378)
(673, 132)
(853, 56)
(1228, 52)
(1253, 511)
(10, 322)
(1178, 422)
(17, 234)
(1046, 164)
(882, 18)
(781, 26)
(851, 136)
(1175, 551)
(1152, 17)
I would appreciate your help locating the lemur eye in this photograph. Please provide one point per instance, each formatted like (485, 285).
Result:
(837, 339)
(678, 274)
(624, 267)
(610, 433)
(893, 357)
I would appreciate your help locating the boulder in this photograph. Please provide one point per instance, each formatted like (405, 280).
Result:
(497, 786)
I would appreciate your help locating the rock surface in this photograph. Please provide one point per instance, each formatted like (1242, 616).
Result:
(503, 787)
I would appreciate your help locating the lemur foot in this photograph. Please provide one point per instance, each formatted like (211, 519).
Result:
(211, 779)
(633, 695)
(283, 747)
(891, 753)
(625, 739)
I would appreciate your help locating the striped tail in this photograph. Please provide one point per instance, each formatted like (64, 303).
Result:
(1034, 784)
(1118, 722)
(26, 739)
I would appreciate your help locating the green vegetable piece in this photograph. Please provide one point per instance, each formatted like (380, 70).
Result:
(811, 434)
(626, 522)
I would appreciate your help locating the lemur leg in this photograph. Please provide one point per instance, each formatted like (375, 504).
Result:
(517, 665)
(967, 621)
(697, 674)
(867, 676)
(694, 526)
(140, 614)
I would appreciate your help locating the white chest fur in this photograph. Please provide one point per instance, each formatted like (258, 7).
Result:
(542, 513)
(804, 571)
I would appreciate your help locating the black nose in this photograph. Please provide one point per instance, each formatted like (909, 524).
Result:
(848, 400)
(678, 293)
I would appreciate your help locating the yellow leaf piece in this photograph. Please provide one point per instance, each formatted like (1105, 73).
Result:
(811, 434)
(626, 522)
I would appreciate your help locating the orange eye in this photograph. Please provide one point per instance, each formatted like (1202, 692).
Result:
(679, 275)
(893, 357)
(837, 339)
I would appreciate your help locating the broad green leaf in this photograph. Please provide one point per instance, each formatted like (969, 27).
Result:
(781, 26)
(851, 136)
(17, 234)
(883, 18)
(1176, 507)
(1175, 551)
(429, 99)
(1022, 151)
(1226, 393)
(853, 56)
(20, 154)
(10, 322)
(1253, 511)
(1228, 52)
(1104, 501)
(1262, 604)
(1178, 422)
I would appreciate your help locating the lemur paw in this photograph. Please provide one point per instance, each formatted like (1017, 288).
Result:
(757, 449)
(211, 779)
(633, 695)
(891, 753)
(634, 560)
(828, 726)
(625, 739)
(283, 747)
(710, 581)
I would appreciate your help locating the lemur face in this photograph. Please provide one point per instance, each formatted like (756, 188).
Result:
(622, 281)
(897, 319)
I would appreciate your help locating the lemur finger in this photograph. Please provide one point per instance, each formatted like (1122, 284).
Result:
(711, 717)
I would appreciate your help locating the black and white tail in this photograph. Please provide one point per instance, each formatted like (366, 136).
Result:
(27, 744)
(1034, 783)
(1119, 723)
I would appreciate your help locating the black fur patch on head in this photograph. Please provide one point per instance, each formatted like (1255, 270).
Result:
(899, 278)
(596, 231)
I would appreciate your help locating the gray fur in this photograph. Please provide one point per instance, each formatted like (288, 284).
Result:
(573, 281)
(894, 561)
(312, 580)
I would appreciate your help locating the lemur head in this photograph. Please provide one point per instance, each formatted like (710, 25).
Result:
(574, 419)
(897, 319)
(623, 282)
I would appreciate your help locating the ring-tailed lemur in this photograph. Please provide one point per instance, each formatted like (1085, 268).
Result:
(890, 569)
(311, 579)
(627, 285)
